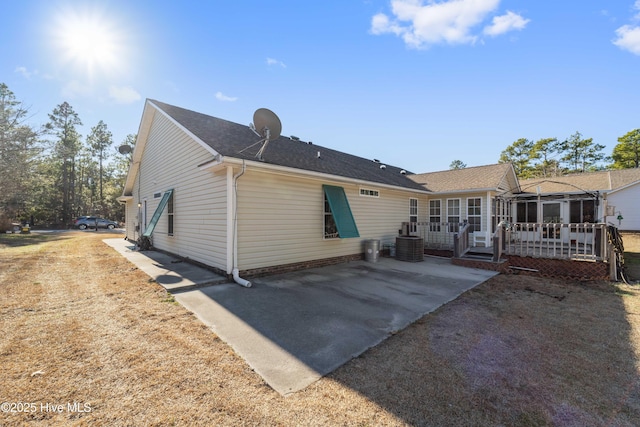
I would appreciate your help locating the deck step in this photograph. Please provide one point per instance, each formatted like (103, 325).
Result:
(478, 255)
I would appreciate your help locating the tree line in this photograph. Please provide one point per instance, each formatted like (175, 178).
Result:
(551, 157)
(50, 174)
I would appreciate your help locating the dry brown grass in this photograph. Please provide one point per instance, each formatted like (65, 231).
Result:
(632, 256)
(78, 323)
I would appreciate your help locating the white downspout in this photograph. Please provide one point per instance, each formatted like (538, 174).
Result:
(235, 272)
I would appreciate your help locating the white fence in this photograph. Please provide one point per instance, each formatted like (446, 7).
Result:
(544, 240)
(436, 235)
(551, 240)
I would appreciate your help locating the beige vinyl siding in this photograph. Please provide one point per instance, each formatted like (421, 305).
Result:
(131, 212)
(280, 219)
(170, 161)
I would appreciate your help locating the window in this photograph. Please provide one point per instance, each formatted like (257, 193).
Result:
(474, 214)
(453, 215)
(338, 218)
(157, 195)
(158, 212)
(581, 211)
(330, 228)
(170, 215)
(435, 215)
(413, 210)
(369, 193)
(527, 212)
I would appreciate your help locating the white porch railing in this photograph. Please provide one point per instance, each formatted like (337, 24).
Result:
(551, 240)
(436, 235)
(544, 240)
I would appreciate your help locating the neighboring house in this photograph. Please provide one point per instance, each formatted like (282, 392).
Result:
(196, 186)
(582, 198)
(475, 195)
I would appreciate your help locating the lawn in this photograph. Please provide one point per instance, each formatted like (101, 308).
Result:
(87, 339)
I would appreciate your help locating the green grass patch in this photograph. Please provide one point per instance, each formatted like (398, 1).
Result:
(169, 299)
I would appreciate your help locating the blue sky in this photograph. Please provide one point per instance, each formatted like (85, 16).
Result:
(413, 83)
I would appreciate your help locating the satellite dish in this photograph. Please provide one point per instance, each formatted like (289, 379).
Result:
(124, 149)
(267, 124)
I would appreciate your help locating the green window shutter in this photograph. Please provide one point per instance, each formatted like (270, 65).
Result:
(341, 211)
(156, 215)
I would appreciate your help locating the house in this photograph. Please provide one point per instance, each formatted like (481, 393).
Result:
(475, 195)
(611, 196)
(198, 187)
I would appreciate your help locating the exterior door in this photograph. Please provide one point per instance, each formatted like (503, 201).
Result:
(551, 214)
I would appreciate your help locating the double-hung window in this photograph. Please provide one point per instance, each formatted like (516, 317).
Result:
(474, 214)
(413, 210)
(435, 215)
(453, 215)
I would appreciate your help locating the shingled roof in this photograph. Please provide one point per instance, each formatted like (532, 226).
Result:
(476, 178)
(232, 140)
(608, 180)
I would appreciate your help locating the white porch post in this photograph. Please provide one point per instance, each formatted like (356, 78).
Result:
(487, 232)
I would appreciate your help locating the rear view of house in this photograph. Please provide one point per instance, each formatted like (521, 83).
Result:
(200, 189)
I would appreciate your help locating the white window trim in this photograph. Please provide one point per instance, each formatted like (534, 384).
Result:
(453, 228)
(475, 215)
(411, 213)
(459, 210)
(439, 209)
(364, 192)
(325, 214)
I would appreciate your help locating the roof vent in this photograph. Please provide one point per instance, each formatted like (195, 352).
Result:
(295, 138)
(318, 154)
(310, 143)
(383, 166)
(403, 172)
(376, 160)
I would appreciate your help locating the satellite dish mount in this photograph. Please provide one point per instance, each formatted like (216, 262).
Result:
(266, 125)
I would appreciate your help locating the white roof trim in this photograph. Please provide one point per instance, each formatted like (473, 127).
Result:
(624, 187)
(286, 170)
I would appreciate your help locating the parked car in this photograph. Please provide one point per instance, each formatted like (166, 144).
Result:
(85, 222)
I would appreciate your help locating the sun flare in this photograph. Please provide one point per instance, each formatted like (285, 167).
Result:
(89, 41)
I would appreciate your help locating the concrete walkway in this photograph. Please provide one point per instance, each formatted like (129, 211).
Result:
(173, 274)
(294, 328)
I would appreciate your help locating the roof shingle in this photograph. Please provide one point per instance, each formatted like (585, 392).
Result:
(233, 139)
(608, 180)
(471, 178)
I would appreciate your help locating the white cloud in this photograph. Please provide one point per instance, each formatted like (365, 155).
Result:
(75, 89)
(123, 94)
(271, 61)
(505, 23)
(25, 73)
(222, 97)
(628, 39)
(628, 36)
(423, 24)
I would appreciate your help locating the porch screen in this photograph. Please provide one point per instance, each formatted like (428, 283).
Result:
(156, 215)
(341, 211)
